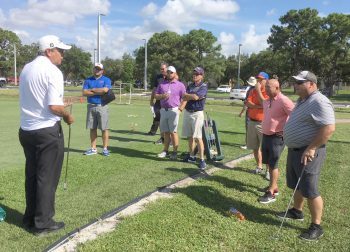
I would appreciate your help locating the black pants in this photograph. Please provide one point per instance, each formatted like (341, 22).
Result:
(44, 152)
(156, 119)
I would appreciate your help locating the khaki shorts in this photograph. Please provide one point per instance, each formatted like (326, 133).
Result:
(169, 119)
(254, 135)
(192, 124)
(97, 117)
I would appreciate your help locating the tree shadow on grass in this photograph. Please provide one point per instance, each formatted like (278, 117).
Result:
(212, 198)
(126, 139)
(134, 153)
(129, 132)
(231, 132)
(13, 216)
(335, 141)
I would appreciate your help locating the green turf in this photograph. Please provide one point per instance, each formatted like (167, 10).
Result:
(97, 184)
(195, 220)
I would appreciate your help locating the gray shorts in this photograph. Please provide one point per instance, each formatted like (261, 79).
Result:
(308, 185)
(192, 124)
(169, 119)
(97, 117)
(271, 149)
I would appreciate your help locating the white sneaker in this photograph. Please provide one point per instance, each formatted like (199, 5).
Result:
(243, 147)
(267, 175)
(258, 170)
(163, 154)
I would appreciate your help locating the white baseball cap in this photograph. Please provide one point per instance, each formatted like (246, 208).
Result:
(99, 65)
(52, 41)
(252, 81)
(171, 69)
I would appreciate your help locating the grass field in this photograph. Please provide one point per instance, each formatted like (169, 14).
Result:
(192, 221)
(97, 184)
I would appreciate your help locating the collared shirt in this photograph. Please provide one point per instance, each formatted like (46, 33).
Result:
(40, 85)
(256, 114)
(308, 116)
(201, 91)
(276, 113)
(92, 82)
(175, 89)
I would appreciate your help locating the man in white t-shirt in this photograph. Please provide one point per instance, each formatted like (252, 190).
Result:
(40, 133)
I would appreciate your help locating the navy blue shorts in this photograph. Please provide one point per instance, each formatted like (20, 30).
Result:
(271, 149)
(308, 184)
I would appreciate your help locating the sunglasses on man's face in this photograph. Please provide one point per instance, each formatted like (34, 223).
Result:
(61, 51)
(300, 82)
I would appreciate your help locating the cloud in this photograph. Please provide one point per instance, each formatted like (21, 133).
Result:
(182, 15)
(228, 43)
(52, 12)
(271, 12)
(253, 42)
(149, 10)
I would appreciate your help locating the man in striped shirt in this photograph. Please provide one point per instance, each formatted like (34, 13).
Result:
(308, 129)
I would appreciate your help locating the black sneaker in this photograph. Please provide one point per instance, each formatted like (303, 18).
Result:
(265, 189)
(313, 233)
(267, 198)
(292, 214)
(44, 231)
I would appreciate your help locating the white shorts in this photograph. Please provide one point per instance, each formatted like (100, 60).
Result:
(169, 119)
(193, 124)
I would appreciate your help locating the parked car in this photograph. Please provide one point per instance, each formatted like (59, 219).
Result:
(2, 81)
(223, 89)
(239, 93)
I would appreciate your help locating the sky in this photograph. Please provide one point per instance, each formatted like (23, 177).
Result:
(127, 22)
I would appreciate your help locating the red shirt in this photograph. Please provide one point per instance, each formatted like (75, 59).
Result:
(256, 114)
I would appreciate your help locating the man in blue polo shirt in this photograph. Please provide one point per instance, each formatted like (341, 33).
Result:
(194, 116)
(97, 115)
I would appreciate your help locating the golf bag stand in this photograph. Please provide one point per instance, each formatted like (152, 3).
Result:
(212, 146)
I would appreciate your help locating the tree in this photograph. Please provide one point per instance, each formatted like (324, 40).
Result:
(308, 42)
(76, 64)
(7, 40)
(113, 68)
(128, 69)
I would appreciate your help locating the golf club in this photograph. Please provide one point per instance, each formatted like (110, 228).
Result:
(68, 148)
(277, 234)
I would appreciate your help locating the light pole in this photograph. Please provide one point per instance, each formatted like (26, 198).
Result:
(98, 36)
(95, 56)
(239, 64)
(15, 62)
(145, 77)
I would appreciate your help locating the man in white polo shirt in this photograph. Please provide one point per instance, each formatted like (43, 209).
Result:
(40, 133)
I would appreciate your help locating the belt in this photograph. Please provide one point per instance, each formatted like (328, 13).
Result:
(304, 147)
(95, 104)
(192, 111)
(171, 109)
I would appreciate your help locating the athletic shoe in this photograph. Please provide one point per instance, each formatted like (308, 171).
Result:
(189, 159)
(267, 176)
(258, 170)
(150, 133)
(313, 233)
(90, 152)
(173, 155)
(163, 154)
(265, 189)
(159, 141)
(202, 165)
(243, 147)
(292, 214)
(267, 198)
(105, 152)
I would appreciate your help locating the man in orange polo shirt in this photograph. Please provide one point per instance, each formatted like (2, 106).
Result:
(255, 117)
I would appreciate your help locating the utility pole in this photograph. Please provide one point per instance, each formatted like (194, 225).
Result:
(145, 77)
(98, 37)
(239, 64)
